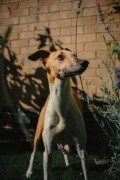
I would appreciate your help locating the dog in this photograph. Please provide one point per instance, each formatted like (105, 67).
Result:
(60, 120)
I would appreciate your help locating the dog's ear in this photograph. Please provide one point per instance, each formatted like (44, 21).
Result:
(67, 49)
(41, 54)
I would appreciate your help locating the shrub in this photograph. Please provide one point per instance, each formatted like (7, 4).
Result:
(108, 115)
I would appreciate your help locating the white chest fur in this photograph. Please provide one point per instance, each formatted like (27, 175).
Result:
(62, 113)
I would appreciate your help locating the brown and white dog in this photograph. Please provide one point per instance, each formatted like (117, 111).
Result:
(61, 119)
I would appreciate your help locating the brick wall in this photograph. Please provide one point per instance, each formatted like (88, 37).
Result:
(30, 18)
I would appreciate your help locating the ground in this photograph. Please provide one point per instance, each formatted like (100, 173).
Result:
(14, 160)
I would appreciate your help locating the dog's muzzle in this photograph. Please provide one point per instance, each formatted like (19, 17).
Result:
(79, 68)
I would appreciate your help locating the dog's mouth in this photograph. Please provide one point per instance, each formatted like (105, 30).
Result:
(79, 69)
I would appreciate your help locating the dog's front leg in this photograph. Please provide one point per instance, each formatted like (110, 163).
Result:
(47, 155)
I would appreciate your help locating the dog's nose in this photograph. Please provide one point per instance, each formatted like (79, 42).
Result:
(84, 62)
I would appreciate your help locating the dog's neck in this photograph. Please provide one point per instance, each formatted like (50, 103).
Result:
(60, 95)
(60, 87)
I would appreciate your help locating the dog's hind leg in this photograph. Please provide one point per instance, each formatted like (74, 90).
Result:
(29, 171)
(81, 154)
(38, 135)
(65, 150)
(65, 154)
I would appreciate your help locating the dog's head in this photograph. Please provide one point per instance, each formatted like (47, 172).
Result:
(61, 63)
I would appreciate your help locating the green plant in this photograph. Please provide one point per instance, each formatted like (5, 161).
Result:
(108, 115)
(3, 45)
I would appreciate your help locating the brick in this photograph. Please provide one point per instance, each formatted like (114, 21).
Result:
(29, 19)
(19, 43)
(85, 21)
(45, 2)
(72, 47)
(85, 38)
(60, 23)
(68, 31)
(6, 54)
(90, 11)
(4, 15)
(107, 36)
(12, 6)
(115, 18)
(93, 63)
(27, 35)
(26, 4)
(86, 55)
(71, 31)
(64, 39)
(13, 36)
(28, 50)
(49, 16)
(55, 32)
(95, 81)
(39, 10)
(80, 47)
(67, 14)
(115, 27)
(94, 46)
(63, 1)
(4, 1)
(92, 90)
(55, 1)
(87, 3)
(102, 55)
(40, 32)
(100, 36)
(34, 65)
(21, 58)
(103, 72)
(15, 50)
(20, 28)
(93, 11)
(104, 2)
(94, 28)
(33, 42)
(61, 7)
(90, 72)
(2, 29)
(10, 21)
(38, 26)
(69, 46)
(80, 30)
(22, 12)
(100, 62)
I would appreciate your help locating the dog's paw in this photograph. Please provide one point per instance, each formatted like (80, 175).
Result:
(28, 173)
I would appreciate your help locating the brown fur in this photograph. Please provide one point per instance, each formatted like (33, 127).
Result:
(40, 125)
(60, 66)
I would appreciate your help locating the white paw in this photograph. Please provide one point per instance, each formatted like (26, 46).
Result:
(28, 173)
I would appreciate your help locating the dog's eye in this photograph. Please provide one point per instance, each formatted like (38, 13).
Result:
(61, 57)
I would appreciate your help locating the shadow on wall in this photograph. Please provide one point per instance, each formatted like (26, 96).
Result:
(27, 92)
(26, 89)
(22, 87)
